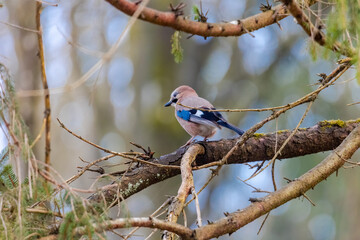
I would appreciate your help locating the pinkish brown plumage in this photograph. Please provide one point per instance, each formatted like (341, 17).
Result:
(196, 122)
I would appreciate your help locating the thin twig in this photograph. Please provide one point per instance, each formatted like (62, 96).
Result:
(115, 153)
(350, 104)
(47, 110)
(84, 169)
(197, 205)
(330, 79)
(273, 165)
(284, 144)
(263, 222)
(256, 190)
(20, 27)
(168, 200)
(40, 133)
(303, 194)
(152, 233)
(235, 110)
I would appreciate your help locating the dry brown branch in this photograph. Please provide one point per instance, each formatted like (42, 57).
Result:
(197, 206)
(47, 111)
(19, 27)
(237, 110)
(187, 184)
(205, 29)
(293, 190)
(84, 169)
(350, 104)
(43, 211)
(40, 134)
(152, 215)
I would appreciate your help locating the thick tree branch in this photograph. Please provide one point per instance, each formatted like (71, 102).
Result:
(324, 136)
(293, 190)
(182, 23)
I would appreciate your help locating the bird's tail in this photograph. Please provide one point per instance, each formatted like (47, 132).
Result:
(231, 127)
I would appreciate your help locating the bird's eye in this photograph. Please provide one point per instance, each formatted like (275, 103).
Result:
(174, 94)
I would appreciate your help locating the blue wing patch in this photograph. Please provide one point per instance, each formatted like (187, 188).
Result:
(214, 119)
(184, 114)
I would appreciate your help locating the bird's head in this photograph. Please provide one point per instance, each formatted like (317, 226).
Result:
(180, 93)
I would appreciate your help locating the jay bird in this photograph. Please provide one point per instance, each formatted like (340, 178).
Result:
(197, 122)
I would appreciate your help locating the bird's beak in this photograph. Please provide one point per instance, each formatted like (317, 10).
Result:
(168, 104)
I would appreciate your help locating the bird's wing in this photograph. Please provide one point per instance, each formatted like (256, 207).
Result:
(200, 117)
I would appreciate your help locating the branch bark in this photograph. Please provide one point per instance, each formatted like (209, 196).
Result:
(182, 23)
(324, 136)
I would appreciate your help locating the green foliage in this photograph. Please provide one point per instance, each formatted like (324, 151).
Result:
(81, 217)
(8, 179)
(176, 49)
(19, 223)
(343, 28)
(36, 194)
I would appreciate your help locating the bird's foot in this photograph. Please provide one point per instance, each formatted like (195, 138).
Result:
(191, 140)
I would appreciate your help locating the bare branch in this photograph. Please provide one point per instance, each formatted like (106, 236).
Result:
(182, 23)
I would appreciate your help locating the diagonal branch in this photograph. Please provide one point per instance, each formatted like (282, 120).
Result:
(324, 136)
(293, 190)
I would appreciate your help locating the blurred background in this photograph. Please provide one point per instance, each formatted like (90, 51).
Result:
(123, 101)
